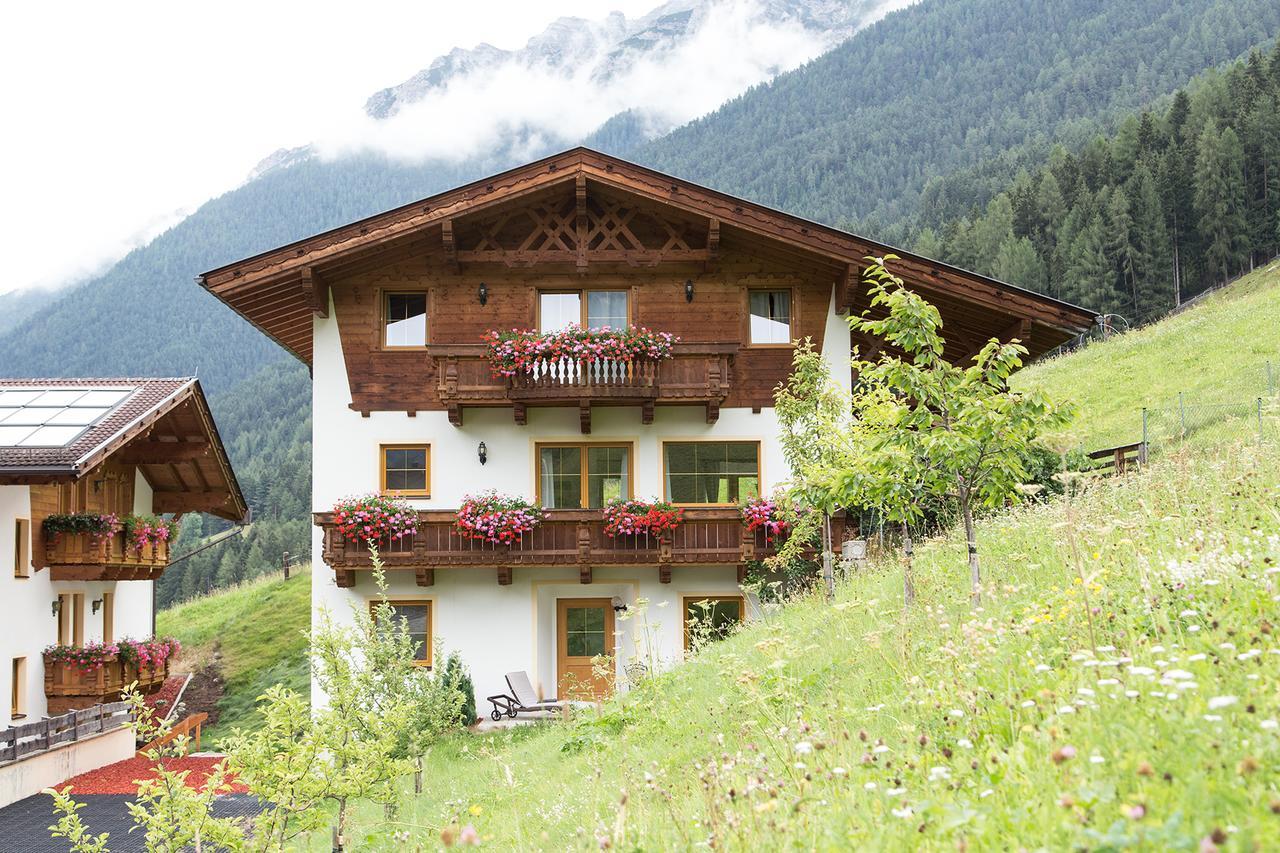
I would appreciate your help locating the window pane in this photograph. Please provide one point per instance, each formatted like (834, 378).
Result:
(406, 321)
(712, 472)
(607, 308)
(561, 473)
(770, 316)
(416, 620)
(607, 471)
(584, 631)
(405, 469)
(558, 310)
(713, 618)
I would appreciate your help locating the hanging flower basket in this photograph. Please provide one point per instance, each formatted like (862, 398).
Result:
(375, 519)
(496, 518)
(94, 524)
(765, 514)
(515, 351)
(632, 517)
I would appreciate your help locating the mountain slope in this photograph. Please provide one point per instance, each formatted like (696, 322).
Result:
(854, 135)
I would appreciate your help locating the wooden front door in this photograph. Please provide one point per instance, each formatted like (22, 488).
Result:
(584, 630)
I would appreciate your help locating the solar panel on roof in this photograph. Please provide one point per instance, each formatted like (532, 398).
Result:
(53, 417)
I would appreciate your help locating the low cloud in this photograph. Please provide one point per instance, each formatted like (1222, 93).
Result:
(524, 108)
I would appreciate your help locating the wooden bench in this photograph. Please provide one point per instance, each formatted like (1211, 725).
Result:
(1120, 458)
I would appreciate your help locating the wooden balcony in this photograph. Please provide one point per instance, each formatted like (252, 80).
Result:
(67, 687)
(709, 536)
(696, 374)
(81, 557)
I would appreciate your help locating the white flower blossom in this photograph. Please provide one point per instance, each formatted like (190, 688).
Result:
(1222, 702)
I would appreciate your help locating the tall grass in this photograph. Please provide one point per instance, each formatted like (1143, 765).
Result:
(1117, 688)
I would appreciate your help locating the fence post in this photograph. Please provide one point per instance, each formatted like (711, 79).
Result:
(285, 562)
(1145, 439)
(1259, 420)
(1182, 415)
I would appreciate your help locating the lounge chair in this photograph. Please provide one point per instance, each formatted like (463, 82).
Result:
(522, 698)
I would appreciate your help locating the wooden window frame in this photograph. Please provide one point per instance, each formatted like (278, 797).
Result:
(666, 494)
(384, 297)
(582, 302)
(583, 446)
(18, 689)
(746, 315)
(382, 471)
(22, 548)
(430, 604)
(688, 597)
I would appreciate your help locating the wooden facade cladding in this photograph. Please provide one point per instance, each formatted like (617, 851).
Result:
(576, 538)
(81, 557)
(585, 219)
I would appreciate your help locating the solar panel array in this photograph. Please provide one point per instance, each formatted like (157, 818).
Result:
(53, 416)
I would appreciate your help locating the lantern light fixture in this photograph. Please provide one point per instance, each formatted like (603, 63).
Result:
(483, 293)
(483, 453)
(688, 290)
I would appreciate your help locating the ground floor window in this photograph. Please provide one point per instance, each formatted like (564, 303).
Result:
(417, 618)
(711, 617)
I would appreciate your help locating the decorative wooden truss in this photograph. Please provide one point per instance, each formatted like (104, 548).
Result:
(699, 374)
(578, 230)
(707, 536)
(81, 557)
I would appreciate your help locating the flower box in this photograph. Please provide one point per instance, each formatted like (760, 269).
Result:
(635, 518)
(497, 519)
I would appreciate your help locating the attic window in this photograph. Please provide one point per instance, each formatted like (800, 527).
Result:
(404, 320)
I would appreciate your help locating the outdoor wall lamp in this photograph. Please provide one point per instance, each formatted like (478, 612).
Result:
(688, 290)
(618, 605)
(483, 453)
(483, 293)
(57, 606)
(97, 605)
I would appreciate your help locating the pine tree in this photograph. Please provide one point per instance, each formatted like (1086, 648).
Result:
(1118, 243)
(1018, 263)
(1153, 272)
(1089, 281)
(1219, 200)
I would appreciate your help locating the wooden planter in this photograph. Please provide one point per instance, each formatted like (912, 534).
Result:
(67, 687)
(82, 557)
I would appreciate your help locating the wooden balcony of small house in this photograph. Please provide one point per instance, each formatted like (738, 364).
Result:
(84, 557)
(68, 686)
(695, 374)
(567, 537)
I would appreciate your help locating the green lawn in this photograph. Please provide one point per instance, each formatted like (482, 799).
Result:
(1214, 353)
(258, 629)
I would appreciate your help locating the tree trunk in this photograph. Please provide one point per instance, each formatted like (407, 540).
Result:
(828, 567)
(971, 539)
(908, 583)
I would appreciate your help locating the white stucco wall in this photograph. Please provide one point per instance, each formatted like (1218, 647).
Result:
(502, 628)
(28, 623)
(47, 769)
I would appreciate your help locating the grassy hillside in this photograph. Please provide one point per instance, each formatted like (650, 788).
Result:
(1215, 354)
(1116, 688)
(240, 641)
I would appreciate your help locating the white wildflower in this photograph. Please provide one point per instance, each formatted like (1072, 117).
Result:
(804, 747)
(1222, 702)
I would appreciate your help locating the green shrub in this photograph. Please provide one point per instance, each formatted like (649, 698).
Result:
(458, 676)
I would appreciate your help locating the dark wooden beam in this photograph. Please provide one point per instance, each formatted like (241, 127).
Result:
(344, 578)
(584, 417)
(712, 263)
(317, 292)
(581, 226)
(155, 452)
(425, 577)
(450, 247)
(504, 575)
(584, 574)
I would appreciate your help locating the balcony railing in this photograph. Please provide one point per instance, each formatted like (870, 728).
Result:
(67, 686)
(82, 557)
(706, 536)
(695, 374)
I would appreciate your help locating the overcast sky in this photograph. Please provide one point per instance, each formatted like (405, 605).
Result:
(119, 118)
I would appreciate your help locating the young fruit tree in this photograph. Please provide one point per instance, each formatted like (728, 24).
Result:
(937, 429)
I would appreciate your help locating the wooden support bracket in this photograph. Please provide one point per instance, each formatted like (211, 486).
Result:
(345, 578)
(425, 577)
(584, 574)
(712, 263)
(504, 575)
(646, 412)
(584, 416)
(519, 414)
(450, 246)
(713, 412)
(455, 415)
(664, 573)
(582, 225)
(316, 290)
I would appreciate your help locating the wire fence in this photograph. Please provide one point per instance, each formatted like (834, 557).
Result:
(1195, 423)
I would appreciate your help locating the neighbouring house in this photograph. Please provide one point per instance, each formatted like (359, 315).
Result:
(94, 476)
(413, 397)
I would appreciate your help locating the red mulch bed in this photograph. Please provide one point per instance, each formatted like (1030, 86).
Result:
(119, 778)
(162, 700)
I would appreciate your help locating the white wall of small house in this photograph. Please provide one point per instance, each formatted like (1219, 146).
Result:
(26, 611)
(498, 628)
